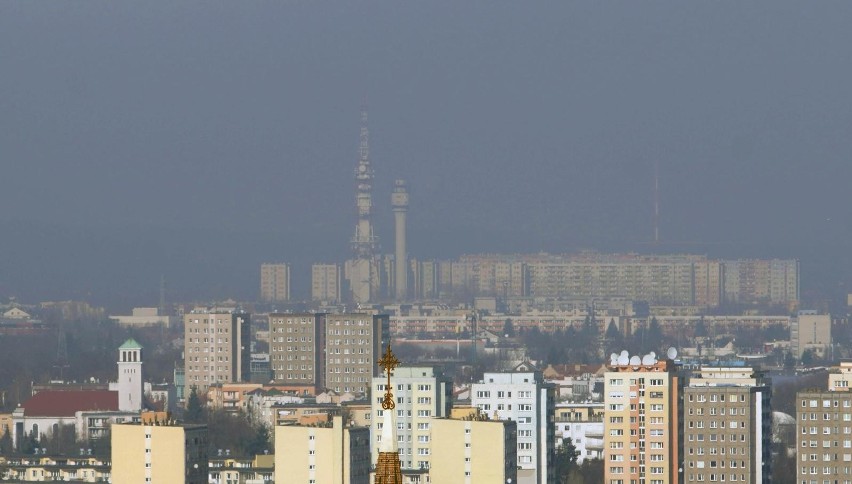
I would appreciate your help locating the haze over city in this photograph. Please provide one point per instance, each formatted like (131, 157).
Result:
(185, 139)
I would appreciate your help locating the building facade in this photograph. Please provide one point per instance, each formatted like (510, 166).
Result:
(325, 283)
(474, 451)
(525, 398)
(353, 345)
(641, 422)
(334, 454)
(216, 348)
(165, 452)
(422, 394)
(727, 426)
(811, 331)
(296, 346)
(275, 282)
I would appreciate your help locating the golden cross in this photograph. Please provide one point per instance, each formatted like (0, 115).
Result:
(388, 362)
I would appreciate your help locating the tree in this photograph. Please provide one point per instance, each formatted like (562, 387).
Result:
(614, 339)
(565, 461)
(701, 328)
(509, 328)
(194, 410)
(808, 357)
(6, 446)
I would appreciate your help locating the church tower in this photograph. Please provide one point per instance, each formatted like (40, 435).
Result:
(388, 469)
(130, 382)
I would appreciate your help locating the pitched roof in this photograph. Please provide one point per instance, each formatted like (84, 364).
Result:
(130, 344)
(59, 403)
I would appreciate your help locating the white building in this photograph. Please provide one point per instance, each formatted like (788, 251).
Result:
(421, 393)
(143, 317)
(130, 383)
(525, 398)
(583, 424)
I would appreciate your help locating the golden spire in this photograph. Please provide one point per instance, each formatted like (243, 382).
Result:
(388, 469)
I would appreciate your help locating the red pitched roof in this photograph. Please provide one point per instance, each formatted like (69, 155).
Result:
(59, 403)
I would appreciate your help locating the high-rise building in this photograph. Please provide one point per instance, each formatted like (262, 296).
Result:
(727, 426)
(525, 398)
(823, 435)
(773, 281)
(810, 331)
(325, 283)
(275, 282)
(216, 348)
(336, 454)
(422, 393)
(641, 421)
(165, 452)
(296, 348)
(353, 344)
(474, 451)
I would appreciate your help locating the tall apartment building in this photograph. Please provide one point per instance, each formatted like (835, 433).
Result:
(641, 422)
(727, 426)
(525, 398)
(336, 454)
(296, 347)
(275, 282)
(810, 331)
(424, 275)
(217, 348)
(774, 281)
(824, 431)
(165, 452)
(422, 393)
(708, 277)
(353, 346)
(325, 282)
(474, 451)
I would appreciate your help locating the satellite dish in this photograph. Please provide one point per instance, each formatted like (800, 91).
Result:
(613, 359)
(635, 361)
(671, 353)
(647, 360)
(653, 355)
(623, 359)
(625, 353)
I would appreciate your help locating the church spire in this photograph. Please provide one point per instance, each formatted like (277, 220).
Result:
(388, 470)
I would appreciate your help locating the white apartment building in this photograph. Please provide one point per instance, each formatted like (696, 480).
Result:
(275, 282)
(525, 398)
(422, 393)
(216, 348)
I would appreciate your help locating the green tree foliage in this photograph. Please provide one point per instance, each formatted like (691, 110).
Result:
(565, 460)
(236, 433)
(701, 328)
(194, 410)
(508, 328)
(6, 446)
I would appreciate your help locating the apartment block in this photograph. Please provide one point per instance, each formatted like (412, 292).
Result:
(525, 398)
(810, 331)
(275, 282)
(322, 454)
(422, 394)
(296, 346)
(165, 452)
(727, 426)
(216, 348)
(353, 346)
(824, 437)
(474, 451)
(641, 422)
(774, 281)
(325, 282)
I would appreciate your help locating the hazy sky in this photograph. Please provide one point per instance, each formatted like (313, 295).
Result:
(140, 138)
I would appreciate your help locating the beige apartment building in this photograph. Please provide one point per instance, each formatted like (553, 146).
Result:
(727, 426)
(810, 331)
(641, 443)
(296, 344)
(159, 453)
(322, 454)
(473, 451)
(325, 282)
(422, 394)
(275, 282)
(353, 345)
(216, 348)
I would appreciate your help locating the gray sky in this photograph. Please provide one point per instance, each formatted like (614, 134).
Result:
(130, 131)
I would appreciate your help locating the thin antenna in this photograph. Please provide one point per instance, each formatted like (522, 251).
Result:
(162, 295)
(656, 203)
(61, 351)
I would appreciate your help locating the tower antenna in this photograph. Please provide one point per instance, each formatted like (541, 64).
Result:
(656, 202)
